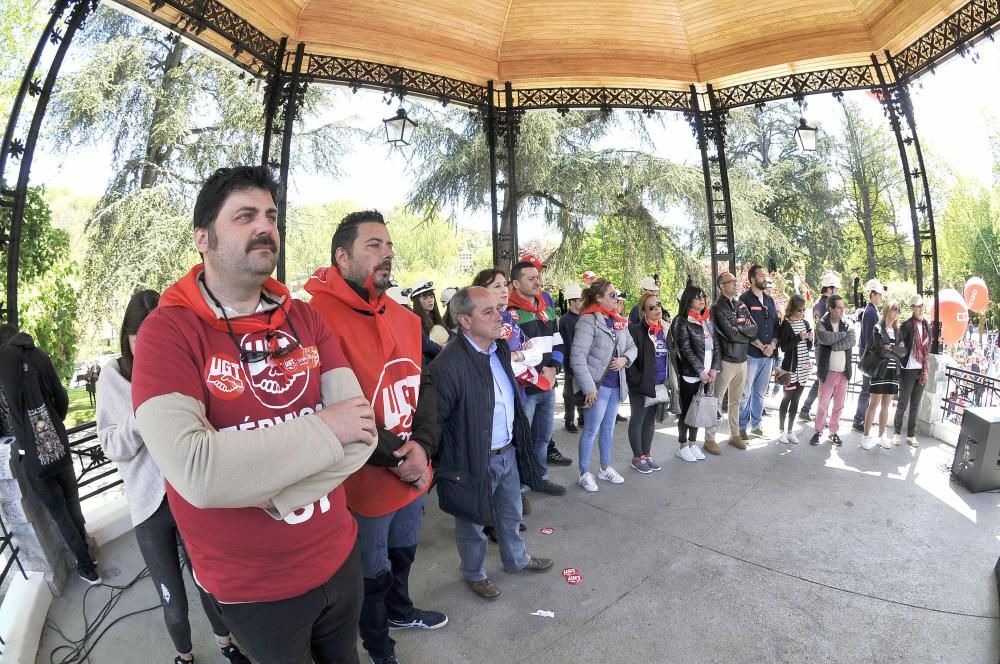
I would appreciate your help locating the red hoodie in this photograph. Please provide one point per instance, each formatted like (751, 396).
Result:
(382, 341)
(244, 555)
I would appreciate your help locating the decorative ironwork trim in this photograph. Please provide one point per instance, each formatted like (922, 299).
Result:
(954, 34)
(566, 98)
(784, 87)
(244, 37)
(397, 80)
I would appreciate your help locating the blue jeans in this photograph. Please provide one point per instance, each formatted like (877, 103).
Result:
(505, 489)
(752, 402)
(543, 406)
(599, 418)
(863, 399)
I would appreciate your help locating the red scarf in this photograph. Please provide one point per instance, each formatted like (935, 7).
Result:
(187, 293)
(655, 327)
(699, 318)
(921, 343)
(613, 315)
(516, 301)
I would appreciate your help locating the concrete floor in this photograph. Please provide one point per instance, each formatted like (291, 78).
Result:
(781, 553)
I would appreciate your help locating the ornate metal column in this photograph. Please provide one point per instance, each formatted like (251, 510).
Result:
(896, 102)
(66, 19)
(508, 123)
(491, 129)
(709, 128)
(282, 100)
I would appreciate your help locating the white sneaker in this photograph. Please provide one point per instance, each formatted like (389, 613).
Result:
(867, 442)
(783, 438)
(587, 482)
(884, 442)
(895, 439)
(792, 438)
(912, 441)
(685, 454)
(609, 474)
(696, 451)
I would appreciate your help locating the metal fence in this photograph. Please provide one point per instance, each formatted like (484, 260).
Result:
(967, 388)
(95, 473)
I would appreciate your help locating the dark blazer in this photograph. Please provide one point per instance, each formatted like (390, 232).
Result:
(641, 374)
(734, 329)
(690, 341)
(463, 383)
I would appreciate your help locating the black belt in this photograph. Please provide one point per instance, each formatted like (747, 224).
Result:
(501, 450)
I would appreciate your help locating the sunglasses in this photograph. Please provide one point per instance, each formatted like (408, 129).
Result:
(653, 307)
(699, 296)
(612, 294)
(251, 356)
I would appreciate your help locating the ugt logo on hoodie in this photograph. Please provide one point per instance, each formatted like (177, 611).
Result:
(395, 398)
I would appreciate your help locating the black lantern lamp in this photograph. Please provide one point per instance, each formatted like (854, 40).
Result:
(805, 136)
(399, 128)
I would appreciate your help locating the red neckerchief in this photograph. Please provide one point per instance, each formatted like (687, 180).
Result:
(187, 293)
(619, 322)
(654, 327)
(516, 301)
(921, 342)
(696, 317)
(329, 281)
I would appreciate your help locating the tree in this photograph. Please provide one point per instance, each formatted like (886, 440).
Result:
(172, 116)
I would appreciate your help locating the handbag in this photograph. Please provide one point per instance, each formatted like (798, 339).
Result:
(661, 395)
(704, 409)
(870, 361)
(784, 378)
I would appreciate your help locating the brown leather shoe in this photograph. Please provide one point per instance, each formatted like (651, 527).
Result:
(738, 443)
(712, 447)
(485, 588)
(538, 564)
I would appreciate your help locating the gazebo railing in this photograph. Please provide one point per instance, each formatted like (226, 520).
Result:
(94, 471)
(966, 389)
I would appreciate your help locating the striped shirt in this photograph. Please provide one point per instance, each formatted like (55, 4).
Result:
(803, 365)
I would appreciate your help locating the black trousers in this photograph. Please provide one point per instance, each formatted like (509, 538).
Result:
(789, 404)
(567, 395)
(686, 434)
(158, 541)
(910, 391)
(318, 626)
(641, 425)
(58, 492)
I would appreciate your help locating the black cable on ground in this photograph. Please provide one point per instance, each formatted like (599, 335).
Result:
(77, 651)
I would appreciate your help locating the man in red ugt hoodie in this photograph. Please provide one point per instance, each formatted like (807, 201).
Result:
(249, 408)
(382, 341)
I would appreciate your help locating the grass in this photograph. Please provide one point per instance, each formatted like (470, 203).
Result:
(80, 410)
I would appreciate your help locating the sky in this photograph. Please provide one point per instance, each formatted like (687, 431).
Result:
(951, 109)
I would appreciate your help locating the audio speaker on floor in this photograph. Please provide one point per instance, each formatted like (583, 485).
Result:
(977, 454)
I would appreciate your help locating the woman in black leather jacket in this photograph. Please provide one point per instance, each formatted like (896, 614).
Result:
(693, 336)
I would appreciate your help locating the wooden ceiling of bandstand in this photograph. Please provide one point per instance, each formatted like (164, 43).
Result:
(665, 44)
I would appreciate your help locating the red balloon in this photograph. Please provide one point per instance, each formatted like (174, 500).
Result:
(954, 315)
(977, 295)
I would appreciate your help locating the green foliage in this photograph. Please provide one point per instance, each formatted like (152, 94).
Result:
(20, 25)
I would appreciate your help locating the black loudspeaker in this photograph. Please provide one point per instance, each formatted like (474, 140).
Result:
(977, 455)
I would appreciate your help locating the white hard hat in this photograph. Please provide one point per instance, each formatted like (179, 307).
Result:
(649, 284)
(831, 279)
(419, 288)
(574, 292)
(396, 293)
(447, 294)
(874, 286)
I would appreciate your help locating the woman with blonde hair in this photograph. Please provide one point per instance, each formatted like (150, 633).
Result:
(647, 380)
(888, 344)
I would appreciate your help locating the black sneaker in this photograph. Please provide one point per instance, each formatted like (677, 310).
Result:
(835, 440)
(552, 488)
(233, 654)
(860, 428)
(814, 440)
(90, 575)
(556, 458)
(571, 427)
(391, 659)
(620, 418)
(421, 620)
(805, 417)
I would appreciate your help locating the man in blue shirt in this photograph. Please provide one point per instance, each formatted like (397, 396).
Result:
(869, 319)
(759, 359)
(485, 449)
